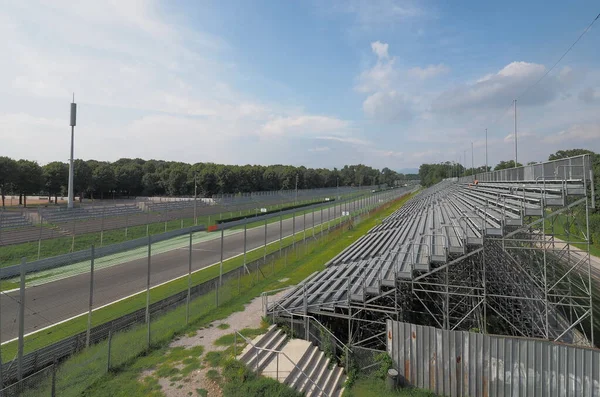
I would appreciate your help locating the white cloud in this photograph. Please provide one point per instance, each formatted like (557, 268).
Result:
(499, 89)
(144, 82)
(373, 14)
(590, 95)
(320, 149)
(575, 133)
(345, 139)
(303, 125)
(380, 77)
(380, 49)
(521, 135)
(428, 72)
(387, 106)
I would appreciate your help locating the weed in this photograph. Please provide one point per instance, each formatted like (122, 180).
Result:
(202, 392)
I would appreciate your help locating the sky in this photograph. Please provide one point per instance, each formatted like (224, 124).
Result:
(387, 83)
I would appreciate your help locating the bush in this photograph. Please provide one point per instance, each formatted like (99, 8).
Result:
(385, 364)
(239, 381)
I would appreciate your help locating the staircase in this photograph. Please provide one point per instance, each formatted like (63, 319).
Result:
(295, 362)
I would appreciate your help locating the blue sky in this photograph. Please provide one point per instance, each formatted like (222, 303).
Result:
(390, 83)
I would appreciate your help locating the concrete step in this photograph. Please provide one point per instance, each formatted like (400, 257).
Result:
(278, 340)
(323, 380)
(308, 386)
(336, 382)
(293, 351)
(303, 366)
(310, 365)
(260, 340)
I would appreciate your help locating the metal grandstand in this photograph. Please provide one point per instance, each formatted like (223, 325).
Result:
(492, 252)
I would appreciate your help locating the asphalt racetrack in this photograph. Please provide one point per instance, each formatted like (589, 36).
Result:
(56, 301)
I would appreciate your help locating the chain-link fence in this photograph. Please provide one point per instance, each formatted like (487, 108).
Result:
(42, 232)
(118, 333)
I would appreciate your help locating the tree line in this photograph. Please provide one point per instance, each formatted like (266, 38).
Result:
(138, 177)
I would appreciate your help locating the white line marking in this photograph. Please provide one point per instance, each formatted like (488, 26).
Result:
(140, 292)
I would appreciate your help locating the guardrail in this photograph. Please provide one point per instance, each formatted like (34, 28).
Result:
(86, 255)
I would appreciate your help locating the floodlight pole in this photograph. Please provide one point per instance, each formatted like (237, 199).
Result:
(472, 161)
(71, 170)
(486, 153)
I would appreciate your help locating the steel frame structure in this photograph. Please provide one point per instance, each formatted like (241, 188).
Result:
(529, 281)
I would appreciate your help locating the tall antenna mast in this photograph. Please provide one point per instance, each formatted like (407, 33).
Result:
(516, 156)
(71, 170)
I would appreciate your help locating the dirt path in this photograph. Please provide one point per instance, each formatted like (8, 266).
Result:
(197, 383)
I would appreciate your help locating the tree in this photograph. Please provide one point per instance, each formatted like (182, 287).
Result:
(506, 164)
(82, 178)
(561, 154)
(129, 178)
(103, 179)
(8, 175)
(55, 175)
(29, 180)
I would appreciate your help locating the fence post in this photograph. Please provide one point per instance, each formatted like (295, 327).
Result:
(313, 223)
(73, 239)
(21, 319)
(91, 303)
(189, 289)
(40, 238)
(303, 226)
(265, 251)
(221, 262)
(321, 222)
(245, 230)
(148, 292)
(294, 230)
(109, 346)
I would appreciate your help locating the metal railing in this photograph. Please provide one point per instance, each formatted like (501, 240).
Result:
(308, 317)
(277, 352)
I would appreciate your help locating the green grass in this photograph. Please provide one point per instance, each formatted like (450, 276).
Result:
(101, 316)
(239, 381)
(223, 326)
(376, 387)
(12, 254)
(250, 333)
(85, 373)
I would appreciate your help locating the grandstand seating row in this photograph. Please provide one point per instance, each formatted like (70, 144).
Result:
(435, 226)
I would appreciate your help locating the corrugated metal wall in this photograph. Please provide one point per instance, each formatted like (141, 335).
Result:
(460, 363)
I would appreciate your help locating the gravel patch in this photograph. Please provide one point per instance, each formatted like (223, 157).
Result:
(250, 317)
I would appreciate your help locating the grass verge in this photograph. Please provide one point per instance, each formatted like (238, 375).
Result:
(86, 372)
(12, 254)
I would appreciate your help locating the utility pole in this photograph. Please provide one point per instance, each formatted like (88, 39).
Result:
(516, 156)
(472, 161)
(71, 169)
(486, 154)
(296, 200)
(465, 160)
